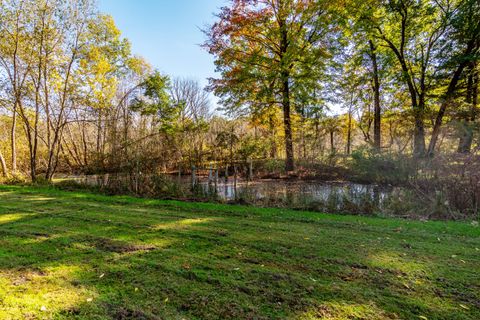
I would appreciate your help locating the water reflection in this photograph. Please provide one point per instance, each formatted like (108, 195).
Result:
(345, 196)
(295, 191)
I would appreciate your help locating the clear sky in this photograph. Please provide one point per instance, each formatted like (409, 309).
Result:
(167, 33)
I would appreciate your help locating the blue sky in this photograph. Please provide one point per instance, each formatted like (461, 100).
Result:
(167, 33)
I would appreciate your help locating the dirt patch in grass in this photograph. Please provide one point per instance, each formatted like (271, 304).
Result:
(110, 245)
(127, 314)
(24, 275)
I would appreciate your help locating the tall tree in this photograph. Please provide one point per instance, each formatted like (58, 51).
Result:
(462, 48)
(377, 118)
(265, 50)
(468, 114)
(16, 52)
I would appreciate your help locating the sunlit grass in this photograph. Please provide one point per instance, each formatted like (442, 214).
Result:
(74, 255)
(345, 310)
(182, 224)
(6, 218)
(44, 293)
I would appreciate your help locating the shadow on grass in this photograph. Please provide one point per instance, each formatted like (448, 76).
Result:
(67, 256)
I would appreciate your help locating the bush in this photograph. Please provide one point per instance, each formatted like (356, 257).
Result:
(269, 167)
(369, 166)
(14, 180)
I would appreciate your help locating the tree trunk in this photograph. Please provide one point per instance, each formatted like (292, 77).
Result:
(449, 95)
(273, 148)
(349, 132)
(4, 165)
(285, 77)
(376, 93)
(289, 161)
(419, 132)
(418, 105)
(466, 138)
(332, 145)
(13, 139)
(99, 163)
(468, 124)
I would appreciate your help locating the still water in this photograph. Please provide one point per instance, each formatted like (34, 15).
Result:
(298, 193)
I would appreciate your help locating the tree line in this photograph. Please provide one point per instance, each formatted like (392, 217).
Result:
(411, 57)
(74, 98)
(402, 75)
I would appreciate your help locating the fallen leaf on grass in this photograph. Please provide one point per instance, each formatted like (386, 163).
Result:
(464, 307)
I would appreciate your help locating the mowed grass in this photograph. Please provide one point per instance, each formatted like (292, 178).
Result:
(77, 255)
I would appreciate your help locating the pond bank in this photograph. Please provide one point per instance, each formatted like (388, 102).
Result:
(321, 196)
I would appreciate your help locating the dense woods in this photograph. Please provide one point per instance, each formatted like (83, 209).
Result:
(364, 89)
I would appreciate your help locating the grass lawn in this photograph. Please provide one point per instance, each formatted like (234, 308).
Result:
(76, 255)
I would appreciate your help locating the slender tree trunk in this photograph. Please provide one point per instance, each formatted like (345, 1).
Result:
(349, 132)
(376, 94)
(418, 105)
(33, 153)
(13, 139)
(466, 130)
(273, 147)
(85, 144)
(99, 140)
(419, 146)
(28, 133)
(74, 151)
(126, 125)
(4, 165)
(332, 144)
(449, 95)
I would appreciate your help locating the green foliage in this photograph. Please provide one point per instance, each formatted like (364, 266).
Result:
(251, 148)
(166, 187)
(156, 101)
(274, 166)
(104, 58)
(371, 166)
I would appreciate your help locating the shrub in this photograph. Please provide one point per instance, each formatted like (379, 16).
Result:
(373, 167)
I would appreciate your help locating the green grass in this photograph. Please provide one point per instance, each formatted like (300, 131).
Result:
(77, 255)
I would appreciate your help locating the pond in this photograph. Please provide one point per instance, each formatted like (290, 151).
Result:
(327, 196)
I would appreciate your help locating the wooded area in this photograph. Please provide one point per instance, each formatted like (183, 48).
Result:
(364, 87)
